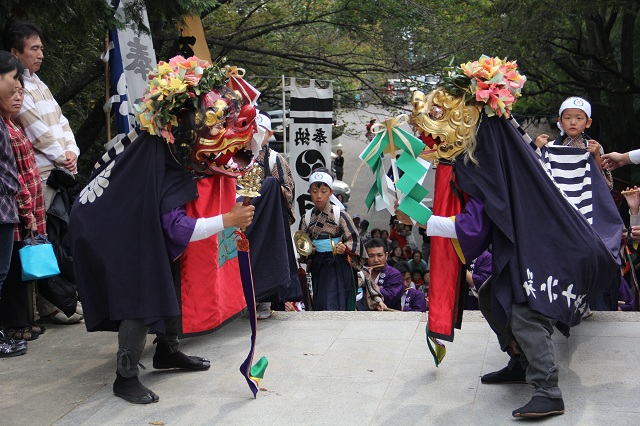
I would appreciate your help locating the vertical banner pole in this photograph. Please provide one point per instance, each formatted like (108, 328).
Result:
(107, 89)
(284, 120)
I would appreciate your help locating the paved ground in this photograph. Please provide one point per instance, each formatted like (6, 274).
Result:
(332, 368)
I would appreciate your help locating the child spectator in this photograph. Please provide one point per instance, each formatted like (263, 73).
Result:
(412, 300)
(369, 134)
(332, 232)
(574, 118)
(398, 235)
(417, 279)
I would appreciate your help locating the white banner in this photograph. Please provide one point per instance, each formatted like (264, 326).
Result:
(132, 57)
(311, 113)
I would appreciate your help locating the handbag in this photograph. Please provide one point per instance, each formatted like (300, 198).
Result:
(38, 260)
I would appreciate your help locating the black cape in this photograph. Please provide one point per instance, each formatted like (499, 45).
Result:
(545, 252)
(273, 263)
(117, 239)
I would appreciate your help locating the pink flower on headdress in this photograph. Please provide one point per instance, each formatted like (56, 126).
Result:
(171, 86)
(496, 82)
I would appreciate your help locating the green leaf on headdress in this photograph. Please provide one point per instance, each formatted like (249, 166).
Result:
(456, 84)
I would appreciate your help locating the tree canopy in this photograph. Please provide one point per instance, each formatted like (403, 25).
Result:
(576, 47)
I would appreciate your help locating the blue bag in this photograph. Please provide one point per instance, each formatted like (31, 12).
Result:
(38, 261)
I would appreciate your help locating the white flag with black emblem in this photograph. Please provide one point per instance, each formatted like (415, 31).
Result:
(311, 113)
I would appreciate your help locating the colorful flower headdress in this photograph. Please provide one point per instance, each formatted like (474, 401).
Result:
(172, 87)
(495, 82)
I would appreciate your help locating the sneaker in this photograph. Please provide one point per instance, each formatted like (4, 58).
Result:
(512, 373)
(263, 310)
(9, 347)
(58, 317)
(540, 406)
(79, 310)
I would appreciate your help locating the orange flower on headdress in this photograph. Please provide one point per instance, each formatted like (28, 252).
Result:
(172, 87)
(496, 82)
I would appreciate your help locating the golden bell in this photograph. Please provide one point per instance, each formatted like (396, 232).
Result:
(303, 243)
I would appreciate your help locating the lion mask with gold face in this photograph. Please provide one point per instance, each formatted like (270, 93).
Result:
(447, 118)
(445, 123)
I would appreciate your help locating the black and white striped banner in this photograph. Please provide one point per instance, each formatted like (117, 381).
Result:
(311, 114)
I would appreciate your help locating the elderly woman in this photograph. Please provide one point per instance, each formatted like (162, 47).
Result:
(16, 296)
(10, 70)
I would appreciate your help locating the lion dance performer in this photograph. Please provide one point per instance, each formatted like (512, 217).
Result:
(166, 192)
(553, 227)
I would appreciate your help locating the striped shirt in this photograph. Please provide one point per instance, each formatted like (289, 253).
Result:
(570, 170)
(45, 126)
(583, 142)
(30, 198)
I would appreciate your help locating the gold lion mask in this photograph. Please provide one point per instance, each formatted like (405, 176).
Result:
(444, 123)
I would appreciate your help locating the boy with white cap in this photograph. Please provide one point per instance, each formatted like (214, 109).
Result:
(574, 118)
(338, 248)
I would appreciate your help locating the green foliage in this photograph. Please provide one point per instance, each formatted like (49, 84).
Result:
(574, 47)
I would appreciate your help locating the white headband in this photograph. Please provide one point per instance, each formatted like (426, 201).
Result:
(578, 103)
(321, 177)
(263, 121)
(325, 178)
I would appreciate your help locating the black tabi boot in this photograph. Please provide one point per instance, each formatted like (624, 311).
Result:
(541, 406)
(127, 385)
(168, 355)
(130, 389)
(514, 372)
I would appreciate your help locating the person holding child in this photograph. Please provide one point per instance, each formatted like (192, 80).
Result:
(613, 160)
(632, 195)
(339, 251)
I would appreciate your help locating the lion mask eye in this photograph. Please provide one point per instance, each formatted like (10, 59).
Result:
(436, 113)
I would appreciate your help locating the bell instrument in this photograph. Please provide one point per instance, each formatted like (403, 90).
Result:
(303, 244)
